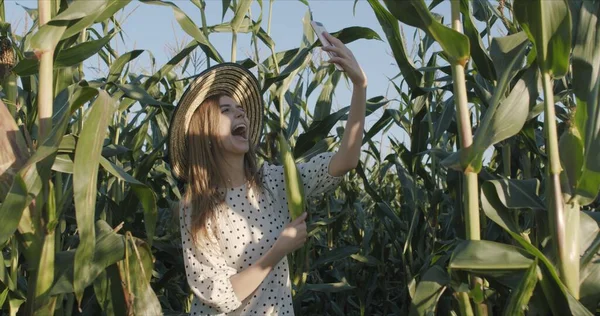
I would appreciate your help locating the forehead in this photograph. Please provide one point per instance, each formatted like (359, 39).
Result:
(226, 100)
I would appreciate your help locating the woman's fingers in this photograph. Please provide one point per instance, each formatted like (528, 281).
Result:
(336, 50)
(334, 40)
(338, 60)
(299, 219)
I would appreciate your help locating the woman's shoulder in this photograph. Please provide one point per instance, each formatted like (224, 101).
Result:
(268, 171)
(183, 206)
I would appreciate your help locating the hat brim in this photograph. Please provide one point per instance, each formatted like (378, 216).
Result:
(229, 79)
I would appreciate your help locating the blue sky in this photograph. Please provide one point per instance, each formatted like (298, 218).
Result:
(155, 29)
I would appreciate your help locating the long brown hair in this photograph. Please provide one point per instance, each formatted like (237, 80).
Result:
(205, 165)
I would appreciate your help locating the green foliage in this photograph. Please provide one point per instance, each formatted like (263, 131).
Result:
(87, 214)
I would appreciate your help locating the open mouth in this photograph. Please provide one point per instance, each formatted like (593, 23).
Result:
(241, 131)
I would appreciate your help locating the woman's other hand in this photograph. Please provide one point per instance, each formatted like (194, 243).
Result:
(346, 60)
(293, 236)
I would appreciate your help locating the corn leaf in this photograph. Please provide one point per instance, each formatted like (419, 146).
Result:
(557, 296)
(142, 191)
(295, 103)
(28, 181)
(329, 287)
(429, 290)
(190, 28)
(226, 4)
(579, 144)
(74, 95)
(109, 249)
(548, 26)
(65, 58)
(119, 64)
(504, 49)
(138, 93)
(108, 289)
(488, 255)
(85, 174)
(519, 298)
(323, 106)
(480, 57)
(415, 13)
(589, 233)
(99, 14)
(504, 117)
(396, 41)
(335, 255)
(320, 129)
(350, 34)
(241, 9)
(138, 277)
(48, 36)
(75, 55)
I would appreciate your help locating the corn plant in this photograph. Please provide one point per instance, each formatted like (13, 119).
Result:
(502, 84)
(432, 225)
(87, 197)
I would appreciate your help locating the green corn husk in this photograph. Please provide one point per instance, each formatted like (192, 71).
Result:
(294, 188)
(297, 204)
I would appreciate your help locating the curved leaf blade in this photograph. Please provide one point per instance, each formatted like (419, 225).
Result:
(389, 24)
(520, 297)
(548, 25)
(488, 255)
(144, 193)
(580, 153)
(74, 55)
(119, 64)
(27, 183)
(190, 28)
(85, 174)
(414, 12)
(480, 56)
(429, 290)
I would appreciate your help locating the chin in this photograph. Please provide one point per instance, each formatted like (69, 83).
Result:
(237, 149)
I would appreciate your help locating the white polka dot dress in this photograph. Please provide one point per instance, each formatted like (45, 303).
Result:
(247, 228)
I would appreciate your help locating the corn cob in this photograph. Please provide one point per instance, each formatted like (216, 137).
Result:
(7, 57)
(294, 188)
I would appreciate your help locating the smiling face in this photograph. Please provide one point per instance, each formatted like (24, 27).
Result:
(232, 130)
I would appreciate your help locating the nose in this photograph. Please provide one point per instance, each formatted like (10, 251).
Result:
(239, 112)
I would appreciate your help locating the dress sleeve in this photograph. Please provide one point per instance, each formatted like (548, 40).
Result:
(206, 270)
(315, 176)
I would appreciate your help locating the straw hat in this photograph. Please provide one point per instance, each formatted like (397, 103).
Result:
(230, 79)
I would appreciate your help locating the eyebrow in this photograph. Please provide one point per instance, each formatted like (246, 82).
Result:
(230, 105)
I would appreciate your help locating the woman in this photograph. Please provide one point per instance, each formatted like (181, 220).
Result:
(235, 225)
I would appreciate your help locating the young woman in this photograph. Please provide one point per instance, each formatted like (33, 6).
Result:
(235, 225)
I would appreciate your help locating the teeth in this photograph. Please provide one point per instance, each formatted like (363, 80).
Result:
(243, 131)
(242, 125)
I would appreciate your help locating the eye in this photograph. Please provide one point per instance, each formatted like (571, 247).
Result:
(224, 110)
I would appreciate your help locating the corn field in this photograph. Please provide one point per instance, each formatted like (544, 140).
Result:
(490, 207)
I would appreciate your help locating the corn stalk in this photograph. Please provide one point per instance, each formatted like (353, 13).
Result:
(470, 188)
(471, 192)
(45, 95)
(548, 26)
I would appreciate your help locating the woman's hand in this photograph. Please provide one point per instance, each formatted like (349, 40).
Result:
(293, 236)
(346, 60)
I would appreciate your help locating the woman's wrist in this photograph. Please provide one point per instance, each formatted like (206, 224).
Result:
(275, 254)
(360, 84)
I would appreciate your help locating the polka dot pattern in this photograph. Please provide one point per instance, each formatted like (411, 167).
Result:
(247, 228)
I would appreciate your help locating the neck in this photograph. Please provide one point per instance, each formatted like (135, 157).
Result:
(233, 171)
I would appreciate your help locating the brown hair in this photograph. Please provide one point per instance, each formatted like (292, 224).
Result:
(205, 165)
